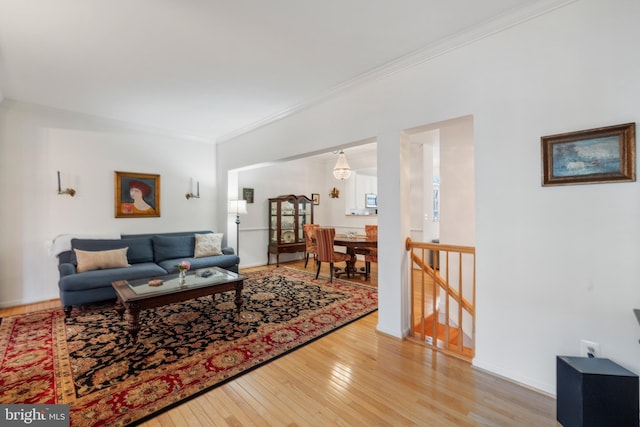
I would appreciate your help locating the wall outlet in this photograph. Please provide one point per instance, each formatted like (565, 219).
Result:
(589, 349)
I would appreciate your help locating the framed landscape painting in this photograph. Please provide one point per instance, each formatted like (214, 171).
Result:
(137, 195)
(590, 156)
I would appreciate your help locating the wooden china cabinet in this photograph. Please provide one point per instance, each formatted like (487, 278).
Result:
(287, 216)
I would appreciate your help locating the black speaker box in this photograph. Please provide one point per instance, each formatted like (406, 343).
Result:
(594, 392)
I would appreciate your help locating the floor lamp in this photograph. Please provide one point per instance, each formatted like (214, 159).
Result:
(237, 207)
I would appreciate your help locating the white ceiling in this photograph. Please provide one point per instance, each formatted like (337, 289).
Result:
(211, 69)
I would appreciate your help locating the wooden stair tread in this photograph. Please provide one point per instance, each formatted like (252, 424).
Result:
(441, 329)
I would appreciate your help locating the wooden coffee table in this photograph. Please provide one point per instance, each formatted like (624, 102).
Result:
(137, 295)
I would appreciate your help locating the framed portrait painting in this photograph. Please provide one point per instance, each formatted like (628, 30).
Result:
(137, 195)
(247, 194)
(590, 156)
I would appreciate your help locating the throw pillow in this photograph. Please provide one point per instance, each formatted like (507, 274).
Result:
(208, 245)
(140, 249)
(99, 260)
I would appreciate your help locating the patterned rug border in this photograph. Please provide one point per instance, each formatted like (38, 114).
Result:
(320, 278)
(62, 369)
(273, 359)
(238, 375)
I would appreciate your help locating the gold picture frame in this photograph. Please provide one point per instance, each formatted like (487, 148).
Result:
(137, 195)
(591, 156)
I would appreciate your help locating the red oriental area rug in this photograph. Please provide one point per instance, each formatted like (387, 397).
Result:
(184, 349)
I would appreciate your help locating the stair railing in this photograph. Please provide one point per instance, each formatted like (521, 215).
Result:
(443, 314)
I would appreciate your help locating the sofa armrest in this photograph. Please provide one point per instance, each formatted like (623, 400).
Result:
(66, 269)
(228, 251)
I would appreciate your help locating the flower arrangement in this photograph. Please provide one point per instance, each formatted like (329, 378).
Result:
(183, 266)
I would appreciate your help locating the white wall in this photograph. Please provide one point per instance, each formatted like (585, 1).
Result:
(457, 177)
(301, 177)
(36, 142)
(555, 264)
(425, 160)
(334, 212)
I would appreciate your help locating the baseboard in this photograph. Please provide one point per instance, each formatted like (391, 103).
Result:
(18, 303)
(512, 381)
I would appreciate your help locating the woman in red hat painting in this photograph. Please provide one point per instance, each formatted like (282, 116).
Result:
(138, 190)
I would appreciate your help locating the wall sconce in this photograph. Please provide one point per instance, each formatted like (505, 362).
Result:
(69, 191)
(191, 195)
(335, 193)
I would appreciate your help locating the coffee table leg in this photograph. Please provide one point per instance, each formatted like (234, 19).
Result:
(238, 299)
(119, 308)
(132, 315)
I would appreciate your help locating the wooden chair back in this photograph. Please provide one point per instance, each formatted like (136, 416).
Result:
(309, 238)
(324, 240)
(370, 254)
(371, 231)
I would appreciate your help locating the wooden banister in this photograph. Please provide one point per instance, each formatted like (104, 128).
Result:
(443, 283)
(458, 339)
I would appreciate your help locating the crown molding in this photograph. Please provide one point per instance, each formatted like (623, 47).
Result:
(98, 122)
(463, 38)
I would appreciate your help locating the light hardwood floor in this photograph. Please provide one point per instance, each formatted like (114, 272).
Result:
(356, 376)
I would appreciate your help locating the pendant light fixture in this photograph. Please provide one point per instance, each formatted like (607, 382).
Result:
(341, 170)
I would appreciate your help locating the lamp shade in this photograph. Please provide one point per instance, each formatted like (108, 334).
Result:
(237, 207)
(341, 170)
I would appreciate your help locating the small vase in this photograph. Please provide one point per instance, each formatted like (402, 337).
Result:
(182, 277)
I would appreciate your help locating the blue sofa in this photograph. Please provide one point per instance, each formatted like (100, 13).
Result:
(149, 255)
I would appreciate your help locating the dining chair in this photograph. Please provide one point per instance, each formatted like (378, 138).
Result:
(326, 253)
(370, 254)
(310, 242)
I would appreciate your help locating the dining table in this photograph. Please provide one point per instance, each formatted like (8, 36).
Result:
(351, 242)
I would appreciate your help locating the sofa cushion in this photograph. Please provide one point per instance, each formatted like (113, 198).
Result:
(140, 249)
(208, 245)
(173, 247)
(101, 260)
(228, 262)
(103, 278)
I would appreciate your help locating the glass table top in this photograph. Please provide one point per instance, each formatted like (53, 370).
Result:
(195, 279)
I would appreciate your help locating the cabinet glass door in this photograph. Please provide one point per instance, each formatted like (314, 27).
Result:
(288, 224)
(304, 216)
(273, 222)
